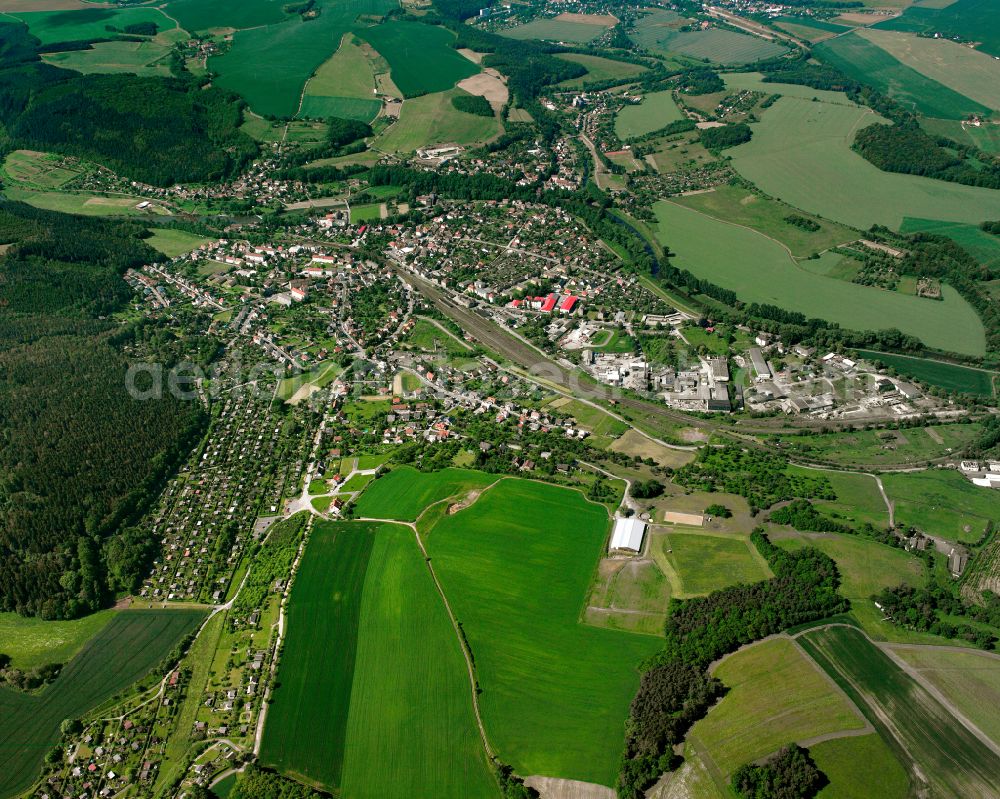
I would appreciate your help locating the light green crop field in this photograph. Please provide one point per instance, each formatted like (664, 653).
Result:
(41, 170)
(558, 30)
(859, 58)
(365, 213)
(970, 680)
(760, 270)
(776, 696)
(404, 492)
(755, 82)
(140, 58)
(269, 65)
(985, 136)
(697, 564)
(810, 29)
(31, 642)
(516, 567)
(85, 204)
(860, 767)
(971, 20)
(935, 373)
(599, 69)
(969, 72)
(657, 110)
(432, 119)
(767, 216)
(942, 502)
(344, 86)
(866, 567)
(983, 246)
(88, 23)
(387, 712)
(953, 760)
(123, 651)
(174, 242)
(801, 153)
(716, 44)
(420, 56)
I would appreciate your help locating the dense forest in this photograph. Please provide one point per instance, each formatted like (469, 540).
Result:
(676, 690)
(79, 458)
(156, 130)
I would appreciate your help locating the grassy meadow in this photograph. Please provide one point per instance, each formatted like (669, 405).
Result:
(516, 567)
(404, 492)
(40, 170)
(775, 696)
(72, 203)
(657, 110)
(766, 273)
(420, 56)
(561, 30)
(697, 563)
(87, 23)
(174, 242)
(658, 32)
(599, 69)
(432, 119)
(860, 767)
(123, 651)
(936, 373)
(140, 58)
(983, 246)
(801, 154)
(971, 20)
(942, 502)
(953, 760)
(197, 15)
(344, 86)
(31, 642)
(864, 60)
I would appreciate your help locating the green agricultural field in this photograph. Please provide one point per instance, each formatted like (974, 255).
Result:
(936, 373)
(140, 58)
(387, 712)
(866, 62)
(970, 680)
(768, 217)
(983, 246)
(764, 272)
(197, 15)
(755, 82)
(776, 696)
(985, 136)
(420, 56)
(697, 563)
(404, 492)
(29, 642)
(173, 242)
(269, 65)
(858, 498)
(41, 170)
(971, 20)
(801, 154)
(432, 119)
(860, 767)
(85, 204)
(657, 110)
(599, 69)
(942, 502)
(953, 760)
(124, 650)
(319, 107)
(968, 72)
(516, 567)
(558, 30)
(87, 23)
(344, 86)
(717, 45)
(809, 28)
(866, 567)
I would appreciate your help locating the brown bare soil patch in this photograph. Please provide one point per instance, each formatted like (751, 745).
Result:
(604, 20)
(486, 84)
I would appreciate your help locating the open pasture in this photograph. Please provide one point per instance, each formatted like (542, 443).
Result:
(70, 203)
(432, 119)
(599, 69)
(971, 20)
(123, 651)
(953, 760)
(970, 680)
(344, 86)
(768, 217)
(173, 242)
(697, 563)
(421, 58)
(776, 696)
(936, 373)
(865, 61)
(629, 595)
(404, 492)
(140, 58)
(858, 498)
(859, 767)
(809, 28)
(718, 45)
(41, 170)
(88, 23)
(942, 502)
(269, 65)
(573, 28)
(983, 246)
(969, 72)
(657, 110)
(766, 273)
(801, 153)
(985, 136)
(516, 567)
(29, 642)
(755, 82)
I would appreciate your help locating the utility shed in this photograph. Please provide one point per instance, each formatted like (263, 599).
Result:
(628, 535)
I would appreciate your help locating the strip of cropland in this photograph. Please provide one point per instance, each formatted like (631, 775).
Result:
(516, 566)
(125, 650)
(950, 376)
(404, 492)
(374, 697)
(953, 760)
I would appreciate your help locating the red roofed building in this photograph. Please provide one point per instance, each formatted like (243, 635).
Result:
(550, 303)
(568, 304)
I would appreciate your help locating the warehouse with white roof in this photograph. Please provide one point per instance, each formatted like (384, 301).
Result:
(627, 535)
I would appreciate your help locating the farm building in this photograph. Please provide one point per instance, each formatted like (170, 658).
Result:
(627, 535)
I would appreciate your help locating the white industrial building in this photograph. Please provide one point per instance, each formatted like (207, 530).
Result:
(627, 535)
